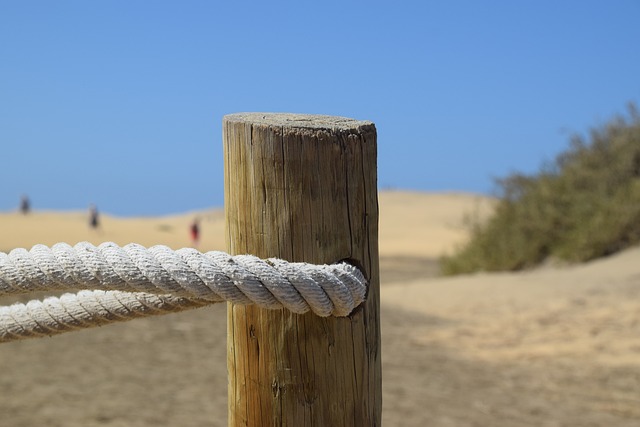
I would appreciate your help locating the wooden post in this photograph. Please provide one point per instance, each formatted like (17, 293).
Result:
(303, 188)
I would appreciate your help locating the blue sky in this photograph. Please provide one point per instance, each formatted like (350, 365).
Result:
(120, 103)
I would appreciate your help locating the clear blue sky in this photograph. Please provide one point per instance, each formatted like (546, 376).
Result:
(120, 103)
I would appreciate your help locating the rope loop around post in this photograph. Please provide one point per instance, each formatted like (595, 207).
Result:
(121, 283)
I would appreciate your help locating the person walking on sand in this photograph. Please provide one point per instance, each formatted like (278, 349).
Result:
(94, 220)
(25, 205)
(195, 232)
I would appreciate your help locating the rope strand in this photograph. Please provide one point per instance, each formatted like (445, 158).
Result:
(121, 283)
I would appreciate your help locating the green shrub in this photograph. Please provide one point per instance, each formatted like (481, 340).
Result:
(584, 205)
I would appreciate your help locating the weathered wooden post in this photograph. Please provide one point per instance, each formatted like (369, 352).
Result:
(303, 188)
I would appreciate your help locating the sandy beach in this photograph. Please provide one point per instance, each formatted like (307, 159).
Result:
(554, 346)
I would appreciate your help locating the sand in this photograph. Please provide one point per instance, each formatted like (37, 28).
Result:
(555, 346)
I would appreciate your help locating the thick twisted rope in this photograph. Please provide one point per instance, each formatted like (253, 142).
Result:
(122, 283)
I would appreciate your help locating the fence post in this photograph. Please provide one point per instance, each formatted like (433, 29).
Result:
(303, 188)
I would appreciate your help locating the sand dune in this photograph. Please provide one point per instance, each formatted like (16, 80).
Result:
(555, 346)
(426, 225)
(413, 225)
(47, 228)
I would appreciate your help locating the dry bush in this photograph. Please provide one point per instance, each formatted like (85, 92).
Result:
(584, 205)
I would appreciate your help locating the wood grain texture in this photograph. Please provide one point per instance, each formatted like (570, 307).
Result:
(303, 188)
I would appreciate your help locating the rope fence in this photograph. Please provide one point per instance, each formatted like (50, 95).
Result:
(280, 200)
(116, 284)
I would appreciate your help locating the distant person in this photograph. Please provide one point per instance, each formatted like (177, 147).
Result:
(195, 232)
(25, 205)
(94, 220)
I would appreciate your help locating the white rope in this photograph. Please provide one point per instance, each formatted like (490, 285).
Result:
(86, 309)
(122, 283)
